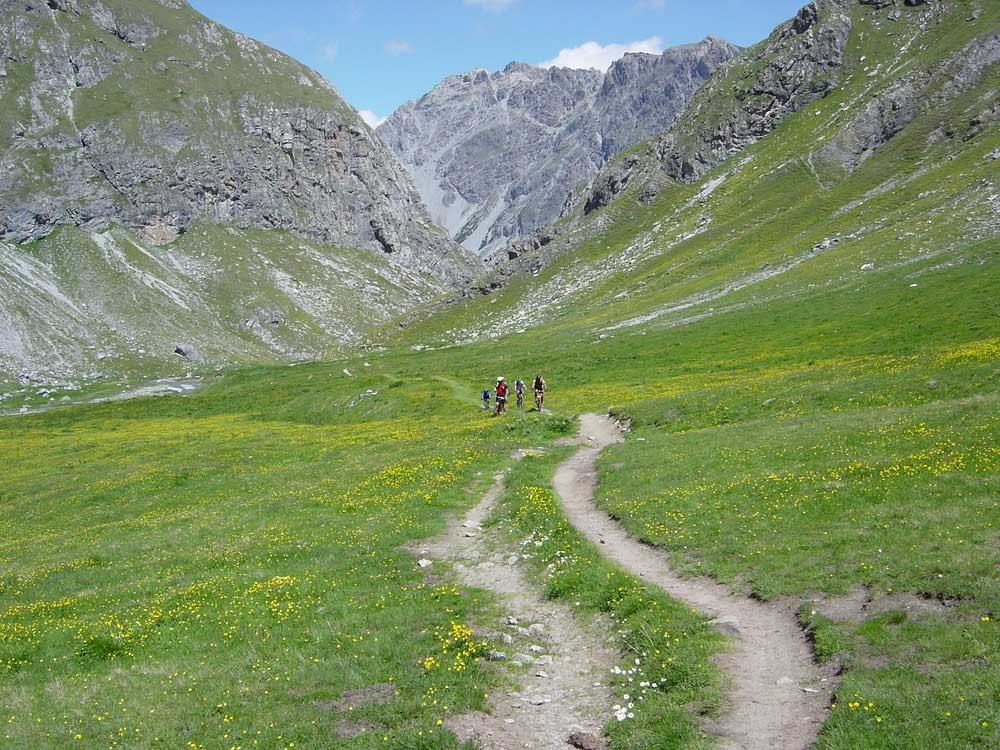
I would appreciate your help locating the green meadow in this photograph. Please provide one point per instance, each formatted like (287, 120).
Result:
(214, 571)
(808, 359)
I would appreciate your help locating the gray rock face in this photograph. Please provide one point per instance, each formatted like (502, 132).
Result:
(921, 90)
(189, 351)
(801, 61)
(149, 115)
(494, 154)
(473, 146)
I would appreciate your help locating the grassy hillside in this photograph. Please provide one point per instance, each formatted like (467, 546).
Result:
(808, 350)
(236, 551)
(89, 312)
(808, 354)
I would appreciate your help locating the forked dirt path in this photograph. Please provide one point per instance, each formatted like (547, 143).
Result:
(564, 665)
(778, 698)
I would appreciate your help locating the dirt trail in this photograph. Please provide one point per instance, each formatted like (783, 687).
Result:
(565, 665)
(779, 698)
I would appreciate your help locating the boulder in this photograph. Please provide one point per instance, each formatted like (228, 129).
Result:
(727, 625)
(189, 351)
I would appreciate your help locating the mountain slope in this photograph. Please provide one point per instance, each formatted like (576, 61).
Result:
(802, 61)
(883, 163)
(805, 339)
(150, 115)
(494, 154)
(80, 306)
(145, 116)
(890, 94)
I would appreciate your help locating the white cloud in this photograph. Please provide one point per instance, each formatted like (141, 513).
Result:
(329, 52)
(397, 47)
(493, 6)
(600, 56)
(372, 119)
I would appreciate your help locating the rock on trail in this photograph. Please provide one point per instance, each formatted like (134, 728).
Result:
(779, 697)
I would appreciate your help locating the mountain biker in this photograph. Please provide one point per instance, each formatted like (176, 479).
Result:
(501, 392)
(487, 397)
(519, 390)
(538, 386)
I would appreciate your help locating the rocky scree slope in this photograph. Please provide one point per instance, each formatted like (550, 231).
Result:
(147, 114)
(855, 141)
(78, 307)
(493, 155)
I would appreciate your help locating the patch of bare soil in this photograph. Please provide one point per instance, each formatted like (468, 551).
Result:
(858, 605)
(381, 692)
(849, 607)
(347, 729)
(779, 698)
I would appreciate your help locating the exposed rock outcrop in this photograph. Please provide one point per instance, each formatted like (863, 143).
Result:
(896, 107)
(150, 115)
(744, 100)
(494, 154)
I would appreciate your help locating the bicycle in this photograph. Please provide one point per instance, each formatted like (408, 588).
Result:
(501, 406)
(539, 397)
(520, 399)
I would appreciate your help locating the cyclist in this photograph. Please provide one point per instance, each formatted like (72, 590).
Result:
(519, 390)
(501, 393)
(487, 397)
(538, 386)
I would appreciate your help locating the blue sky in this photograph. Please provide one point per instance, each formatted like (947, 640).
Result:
(380, 53)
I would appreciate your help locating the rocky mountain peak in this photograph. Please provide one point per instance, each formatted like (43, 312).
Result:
(518, 67)
(494, 162)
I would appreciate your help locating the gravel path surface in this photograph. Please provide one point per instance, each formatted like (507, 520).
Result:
(779, 698)
(564, 664)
